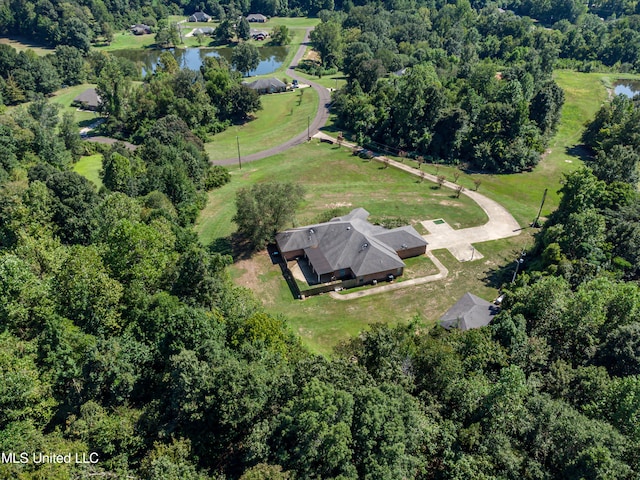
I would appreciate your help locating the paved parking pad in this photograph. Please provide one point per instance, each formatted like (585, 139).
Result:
(456, 241)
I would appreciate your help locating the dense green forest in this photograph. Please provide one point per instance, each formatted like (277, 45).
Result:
(122, 335)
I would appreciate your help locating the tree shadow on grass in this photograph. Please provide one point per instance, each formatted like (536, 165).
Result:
(497, 277)
(235, 245)
(503, 274)
(580, 151)
(223, 246)
(88, 122)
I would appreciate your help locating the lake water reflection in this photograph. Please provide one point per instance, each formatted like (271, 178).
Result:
(271, 58)
(627, 87)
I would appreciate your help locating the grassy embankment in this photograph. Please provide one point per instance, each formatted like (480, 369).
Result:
(336, 179)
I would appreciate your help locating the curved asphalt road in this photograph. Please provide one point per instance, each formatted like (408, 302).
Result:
(319, 121)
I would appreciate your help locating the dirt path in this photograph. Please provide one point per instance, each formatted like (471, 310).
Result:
(318, 121)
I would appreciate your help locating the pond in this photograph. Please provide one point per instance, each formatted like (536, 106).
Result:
(271, 58)
(627, 87)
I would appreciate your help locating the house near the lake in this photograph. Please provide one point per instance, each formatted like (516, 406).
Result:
(256, 17)
(200, 17)
(267, 85)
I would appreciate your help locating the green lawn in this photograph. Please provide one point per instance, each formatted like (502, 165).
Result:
(127, 40)
(335, 81)
(23, 43)
(64, 97)
(334, 178)
(283, 116)
(521, 193)
(89, 167)
(291, 22)
(323, 322)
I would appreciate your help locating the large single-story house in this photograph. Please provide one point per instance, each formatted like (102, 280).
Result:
(258, 34)
(267, 85)
(349, 247)
(140, 29)
(89, 100)
(203, 31)
(256, 17)
(469, 312)
(200, 17)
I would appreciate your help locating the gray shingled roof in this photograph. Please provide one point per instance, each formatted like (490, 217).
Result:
(469, 312)
(256, 16)
(89, 98)
(203, 31)
(199, 17)
(266, 84)
(348, 242)
(401, 238)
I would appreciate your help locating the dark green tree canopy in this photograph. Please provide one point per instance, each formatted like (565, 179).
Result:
(265, 209)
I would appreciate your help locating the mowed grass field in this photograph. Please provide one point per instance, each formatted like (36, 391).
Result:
(333, 178)
(283, 116)
(126, 40)
(521, 193)
(323, 322)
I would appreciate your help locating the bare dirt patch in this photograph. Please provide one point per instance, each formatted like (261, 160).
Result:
(338, 205)
(449, 203)
(312, 55)
(251, 275)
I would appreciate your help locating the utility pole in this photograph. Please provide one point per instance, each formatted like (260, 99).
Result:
(519, 262)
(308, 128)
(239, 160)
(544, 197)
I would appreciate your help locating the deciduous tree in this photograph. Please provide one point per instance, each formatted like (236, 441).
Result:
(264, 209)
(245, 57)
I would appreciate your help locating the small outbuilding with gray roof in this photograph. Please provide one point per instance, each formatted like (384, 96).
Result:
(469, 312)
(349, 247)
